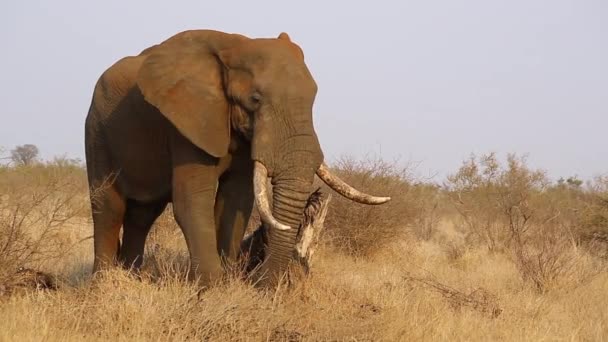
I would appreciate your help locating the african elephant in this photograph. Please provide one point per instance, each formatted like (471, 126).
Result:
(202, 120)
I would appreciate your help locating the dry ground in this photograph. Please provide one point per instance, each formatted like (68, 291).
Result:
(409, 290)
(494, 255)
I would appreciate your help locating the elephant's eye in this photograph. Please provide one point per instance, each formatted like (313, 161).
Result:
(256, 97)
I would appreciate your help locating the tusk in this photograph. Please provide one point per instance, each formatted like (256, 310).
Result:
(346, 190)
(260, 188)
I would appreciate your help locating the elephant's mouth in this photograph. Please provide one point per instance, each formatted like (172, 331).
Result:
(260, 186)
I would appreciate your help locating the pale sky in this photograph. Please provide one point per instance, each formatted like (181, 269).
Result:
(423, 81)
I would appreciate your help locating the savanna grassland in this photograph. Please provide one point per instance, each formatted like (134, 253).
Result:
(496, 251)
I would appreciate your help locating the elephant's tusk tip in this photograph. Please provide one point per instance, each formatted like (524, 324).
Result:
(381, 200)
(346, 190)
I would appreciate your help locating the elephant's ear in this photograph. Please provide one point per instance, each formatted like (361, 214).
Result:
(185, 84)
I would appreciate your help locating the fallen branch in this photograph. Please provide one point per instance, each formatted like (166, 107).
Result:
(24, 279)
(479, 299)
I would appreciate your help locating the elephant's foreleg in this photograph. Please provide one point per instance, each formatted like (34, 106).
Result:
(138, 220)
(232, 210)
(194, 188)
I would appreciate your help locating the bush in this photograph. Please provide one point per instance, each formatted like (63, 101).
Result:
(359, 229)
(498, 205)
(513, 208)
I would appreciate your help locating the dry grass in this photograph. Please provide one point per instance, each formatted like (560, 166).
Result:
(444, 284)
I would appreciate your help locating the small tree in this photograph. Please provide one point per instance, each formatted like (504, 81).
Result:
(24, 154)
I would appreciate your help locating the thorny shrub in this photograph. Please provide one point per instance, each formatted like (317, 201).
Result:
(514, 208)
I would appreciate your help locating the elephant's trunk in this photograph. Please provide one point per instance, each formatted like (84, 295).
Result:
(286, 148)
(292, 185)
(289, 201)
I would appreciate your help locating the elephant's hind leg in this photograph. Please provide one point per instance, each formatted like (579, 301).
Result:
(233, 208)
(139, 218)
(108, 208)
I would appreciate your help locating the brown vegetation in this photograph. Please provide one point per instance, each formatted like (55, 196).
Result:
(36, 203)
(498, 252)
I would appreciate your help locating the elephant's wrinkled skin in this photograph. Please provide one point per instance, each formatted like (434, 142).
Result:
(188, 121)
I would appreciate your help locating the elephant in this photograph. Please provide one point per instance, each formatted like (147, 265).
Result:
(203, 120)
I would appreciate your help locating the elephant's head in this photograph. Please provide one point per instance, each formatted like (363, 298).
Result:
(211, 85)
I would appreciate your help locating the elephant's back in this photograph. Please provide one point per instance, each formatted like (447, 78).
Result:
(133, 134)
(114, 84)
